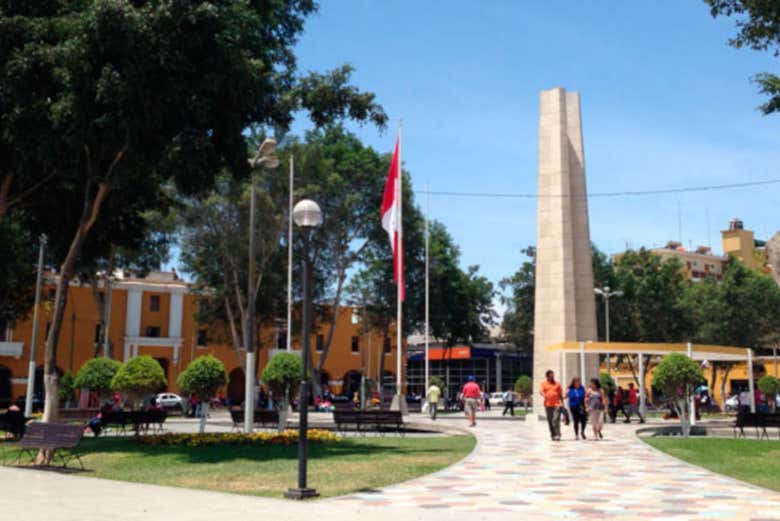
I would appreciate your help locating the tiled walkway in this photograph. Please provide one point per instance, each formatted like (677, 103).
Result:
(516, 469)
(515, 473)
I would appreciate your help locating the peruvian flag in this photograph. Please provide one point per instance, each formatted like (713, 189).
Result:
(391, 216)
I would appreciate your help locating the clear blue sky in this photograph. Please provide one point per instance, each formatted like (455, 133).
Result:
(666, 103)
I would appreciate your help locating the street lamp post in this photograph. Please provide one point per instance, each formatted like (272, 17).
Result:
(28, 400)
(264, 158)
(307, 215)
(607, 293)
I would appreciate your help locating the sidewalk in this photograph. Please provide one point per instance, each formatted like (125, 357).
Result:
(514, 473)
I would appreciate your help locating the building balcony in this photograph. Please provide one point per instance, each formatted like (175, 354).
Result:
(11, 349)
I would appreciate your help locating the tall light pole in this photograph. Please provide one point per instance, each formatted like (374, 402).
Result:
(307, 215)
(607, 293)
(28, 400)
(264, 158)
(109, 282)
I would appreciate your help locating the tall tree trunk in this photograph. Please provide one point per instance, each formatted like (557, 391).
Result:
(726, 370)
(5, 195)
(88, 217)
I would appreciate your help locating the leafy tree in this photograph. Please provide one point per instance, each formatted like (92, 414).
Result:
(524, 386)
(281, 374)
(677, 376)
(67, 388)
(770, 386)
(97, 374)
(759, 29)
(17, 269)
(607, 382)
(518, 321)
(438, 382)
(651, 308)
(140, 95)
(204, 376)
(139, 377)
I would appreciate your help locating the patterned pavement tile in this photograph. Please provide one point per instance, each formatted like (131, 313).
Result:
(516, 469)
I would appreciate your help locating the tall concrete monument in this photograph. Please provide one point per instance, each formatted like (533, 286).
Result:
(565, 307)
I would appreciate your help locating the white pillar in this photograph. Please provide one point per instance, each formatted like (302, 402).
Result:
(583, 379)
(642, 391)
(175, 314)
(133, 312)
(691, 405)
(126, 356)
(499, 376)
(751, 385)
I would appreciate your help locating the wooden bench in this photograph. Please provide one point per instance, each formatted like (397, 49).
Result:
(758, 420)
(263, 418)
(61, 438)
(365, 421)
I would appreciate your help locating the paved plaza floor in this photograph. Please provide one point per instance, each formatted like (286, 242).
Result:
(514, 473)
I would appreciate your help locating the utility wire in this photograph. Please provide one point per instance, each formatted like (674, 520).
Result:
(628, 193)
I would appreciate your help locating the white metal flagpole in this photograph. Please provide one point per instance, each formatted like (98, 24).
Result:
(399, 268)
(427, 289)
(290, 257)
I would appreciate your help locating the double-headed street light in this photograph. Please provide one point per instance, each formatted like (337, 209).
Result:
(307, 216)
(607, 293)
(265, 158)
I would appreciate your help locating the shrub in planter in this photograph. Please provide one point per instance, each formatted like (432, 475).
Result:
(524, 386)
(677, 376)
(96, 375)
(139, 377)
(770, 386)
(204, 376)
(281, 374)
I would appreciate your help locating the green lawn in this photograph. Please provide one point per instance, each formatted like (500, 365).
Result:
(754, 461)
(334, 469)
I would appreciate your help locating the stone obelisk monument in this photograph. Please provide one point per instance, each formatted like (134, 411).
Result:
(565, 308)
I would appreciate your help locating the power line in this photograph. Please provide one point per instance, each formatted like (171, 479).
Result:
(627, 193)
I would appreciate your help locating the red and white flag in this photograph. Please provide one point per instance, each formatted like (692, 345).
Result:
(391, 216)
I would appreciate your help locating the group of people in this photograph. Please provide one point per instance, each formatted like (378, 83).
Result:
(586, 405)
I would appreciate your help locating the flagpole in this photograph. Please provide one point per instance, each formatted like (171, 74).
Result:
(427, 288)
(399, 268)
(290, 256)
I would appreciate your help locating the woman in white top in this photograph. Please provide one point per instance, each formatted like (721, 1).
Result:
(596, 404)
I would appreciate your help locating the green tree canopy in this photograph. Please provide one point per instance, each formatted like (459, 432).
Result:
(524, 385)
(770, 386)
(743, 309)
(282, 372)
(438, 382)
(97, 374)
(139, 376)
(204, 376)
(758, 22)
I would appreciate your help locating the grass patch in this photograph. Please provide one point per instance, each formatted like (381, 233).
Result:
(754, 461)
(334, 468)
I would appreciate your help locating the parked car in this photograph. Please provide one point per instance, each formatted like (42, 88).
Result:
(496, 398)
(169, 401)
(732, 404)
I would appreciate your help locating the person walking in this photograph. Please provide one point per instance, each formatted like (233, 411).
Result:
(576, 397)
(620, 403)
(552, 393)
(633, 404)
(433, 395)
(509, 402)
(595, 405)
(472, 395)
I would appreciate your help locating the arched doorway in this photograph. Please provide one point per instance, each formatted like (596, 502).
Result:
(351, 383)
(235, 390)
(5, 387)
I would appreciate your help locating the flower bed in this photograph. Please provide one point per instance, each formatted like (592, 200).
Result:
(288, 437)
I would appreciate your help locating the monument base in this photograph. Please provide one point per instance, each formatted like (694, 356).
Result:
(399, 404)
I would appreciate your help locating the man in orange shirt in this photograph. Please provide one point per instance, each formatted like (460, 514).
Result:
(552, 393)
